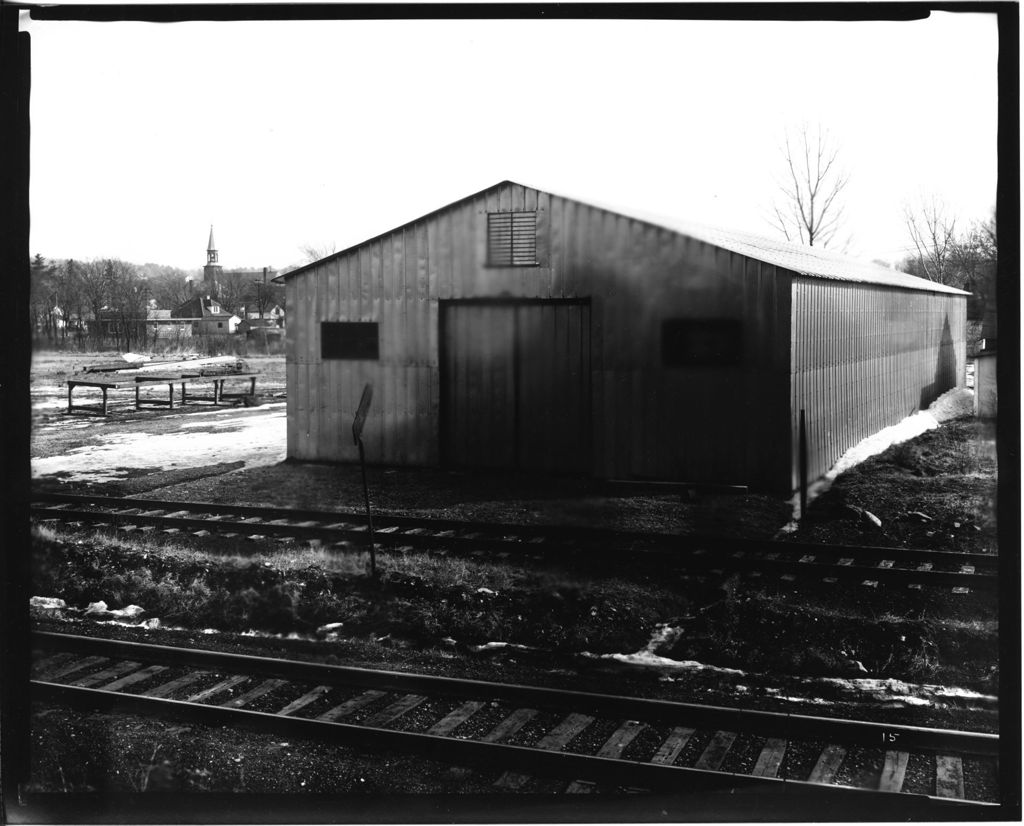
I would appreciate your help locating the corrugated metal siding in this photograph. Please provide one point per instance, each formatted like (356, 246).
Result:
(850, 366)
(647, 421)
(865, 357)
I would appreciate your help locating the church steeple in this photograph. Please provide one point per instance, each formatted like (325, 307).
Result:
(211, 249)
(212, 272)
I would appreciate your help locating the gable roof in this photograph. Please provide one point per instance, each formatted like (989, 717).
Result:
(199, 306)
(813, 262)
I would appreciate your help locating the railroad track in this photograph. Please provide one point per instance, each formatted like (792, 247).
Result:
(868, 565)
(519, 734)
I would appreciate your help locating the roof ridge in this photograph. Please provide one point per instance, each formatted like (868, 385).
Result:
(785, 254)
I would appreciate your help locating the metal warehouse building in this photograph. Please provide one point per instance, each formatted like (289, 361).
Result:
(519, 329)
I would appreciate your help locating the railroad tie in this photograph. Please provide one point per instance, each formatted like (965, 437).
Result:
(828, 764)
(77, 665)
(713, 756)
(114, 671)
(223, 685)
(555, 740)
(456, 718)
(674, 743)
(134, 677)
(613, 748)
(351, 705)
(894, 771)
(510, 725)
(166, 689)
(254, 694)
(303, 701)
(770, 759)
(395, 710)
(42, 668)
(949, 777)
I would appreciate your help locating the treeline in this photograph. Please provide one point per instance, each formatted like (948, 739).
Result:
(107, 300)
(962, 257)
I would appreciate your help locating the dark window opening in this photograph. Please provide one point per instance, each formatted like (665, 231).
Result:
(701, 342)
(512, 239)
(351, 340)
(220, 323)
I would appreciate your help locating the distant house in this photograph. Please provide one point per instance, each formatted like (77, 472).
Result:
(274, 314)
(207, 316)
(157, 325)
(265, 326)
(162, 327)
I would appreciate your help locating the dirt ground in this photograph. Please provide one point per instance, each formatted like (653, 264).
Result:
(782, 646)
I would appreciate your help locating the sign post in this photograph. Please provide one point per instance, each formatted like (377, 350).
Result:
(357, 436)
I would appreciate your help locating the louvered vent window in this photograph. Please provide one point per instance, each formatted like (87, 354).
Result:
(512, 239)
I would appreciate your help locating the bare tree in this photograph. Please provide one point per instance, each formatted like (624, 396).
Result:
(233, 288)
(94, 287)
(809, 209)
(128, 296)
(933, 232)
(975, 256)
(43, 297)
(170, 288)
(313, 252)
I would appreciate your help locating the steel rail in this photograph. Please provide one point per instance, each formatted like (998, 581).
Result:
(769, 723)
(776, 558)
(555, 533)
(616, 771)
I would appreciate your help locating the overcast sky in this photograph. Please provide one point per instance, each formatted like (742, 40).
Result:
(284, 134)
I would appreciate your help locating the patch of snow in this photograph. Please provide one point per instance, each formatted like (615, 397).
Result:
(494, 646)
(258, 439)
(100, 609)
(135, 358)
(663, 634)
(952, 404)
(875, 690)
(645, 659)
(48, 603)
(147, 625)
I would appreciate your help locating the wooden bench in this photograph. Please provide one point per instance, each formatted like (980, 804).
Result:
(138, 382)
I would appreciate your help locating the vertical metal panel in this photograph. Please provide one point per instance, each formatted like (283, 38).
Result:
(891, 352)
(331, 442)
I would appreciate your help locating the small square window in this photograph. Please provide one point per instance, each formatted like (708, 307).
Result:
(349, 340)
(512, 239)
(220, 323)
(701, 342)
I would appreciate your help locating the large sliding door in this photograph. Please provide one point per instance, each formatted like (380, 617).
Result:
(515, 385)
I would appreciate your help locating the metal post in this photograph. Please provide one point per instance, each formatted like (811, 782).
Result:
(803, 464)
(357, 436)
(369, 512)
